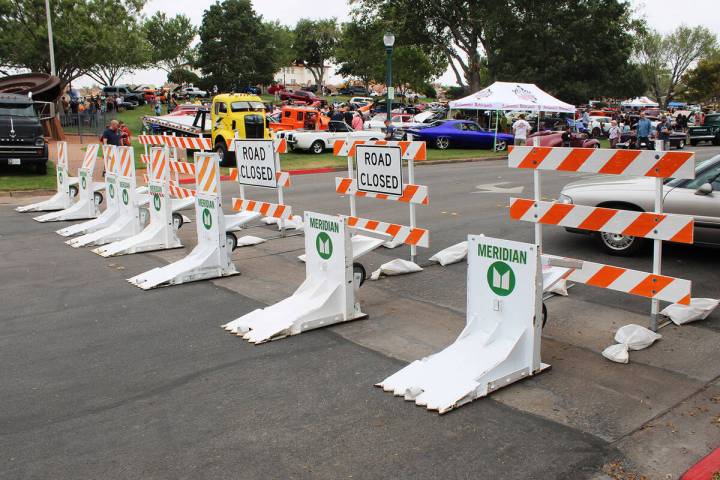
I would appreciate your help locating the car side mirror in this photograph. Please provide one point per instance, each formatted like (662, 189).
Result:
(234, 124)
(704, 189)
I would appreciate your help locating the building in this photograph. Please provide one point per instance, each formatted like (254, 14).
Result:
(298, 76)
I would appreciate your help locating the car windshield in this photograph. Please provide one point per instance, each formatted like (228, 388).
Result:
(247, 106)
(699, 169)
(17, 109)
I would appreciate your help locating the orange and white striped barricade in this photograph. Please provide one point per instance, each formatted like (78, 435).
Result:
(109, 155)
(64, 197)
(159, 234)
(500, 343)
(211, 257)
(656, 225)
(258, 165)
(128, 221)
(86, 206)
(326, 297)
(380, 175)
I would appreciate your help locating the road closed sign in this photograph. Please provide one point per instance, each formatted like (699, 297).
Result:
(256, 163)
(379, 169)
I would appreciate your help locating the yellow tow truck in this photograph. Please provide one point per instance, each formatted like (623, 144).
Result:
(230, 113)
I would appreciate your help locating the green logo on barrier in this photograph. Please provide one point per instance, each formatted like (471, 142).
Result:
(207, 219)
(111, 189)
(60, 176)
(83, 182)
(125, 196)
(324, 245)
(501, 279)
(156, 202)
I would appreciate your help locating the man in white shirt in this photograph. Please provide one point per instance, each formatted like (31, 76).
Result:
(520, 129)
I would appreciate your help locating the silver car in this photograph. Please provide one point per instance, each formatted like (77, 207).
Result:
(699, 198)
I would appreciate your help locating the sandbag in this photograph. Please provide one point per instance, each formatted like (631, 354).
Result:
(617, 353)
(629, 337)
(450, 255)
(396, 267)
(559, 288)
(699, 309)
(249, 240)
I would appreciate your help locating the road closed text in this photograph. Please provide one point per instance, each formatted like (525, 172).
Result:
(379, 169)
(256, 163)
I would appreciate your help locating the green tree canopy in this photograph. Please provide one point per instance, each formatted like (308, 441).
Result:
(314, 44)
(79, 43)
(236, 48)
(170, 40)
(703, 82)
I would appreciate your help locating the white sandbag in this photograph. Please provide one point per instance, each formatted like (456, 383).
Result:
(636, 337)
(249, 240)
(393, 243)
(302, 257)
(450, 255)
(294, 223)
(617, 353)
(269, 220)
(396, 267)
(699, 309)
(559, 288)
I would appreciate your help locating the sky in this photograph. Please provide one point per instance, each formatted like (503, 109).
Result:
(662, 15)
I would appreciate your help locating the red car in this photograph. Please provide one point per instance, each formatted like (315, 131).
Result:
(549, 138)
(276, 88)
(299, 96)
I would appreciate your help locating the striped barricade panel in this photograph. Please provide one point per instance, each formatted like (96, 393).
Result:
(206, 174)
(62, 159)
(414, 150)
(283, 178)
(109, 158)
(90, 155)
(159, 164)
(151, 139)
(675, 228)
(180, 192)
(411, 193)
(126, 162)
(408, 235)
(191, 143)
(144, 158)
(645, 163)
(264, 208)
(182, 167)
(279, 144)
(633, 282)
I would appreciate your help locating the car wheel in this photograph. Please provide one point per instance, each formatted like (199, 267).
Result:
(177, 221)
(716, 141)
(501, 146)
(596, 132)
(619, 244)
(443, 143)
(226, 159)
(73, 190)
(681, 144)
(693, 143)
(98, 198)
(317, 147)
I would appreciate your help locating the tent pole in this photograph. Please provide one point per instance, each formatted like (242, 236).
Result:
(496, 130)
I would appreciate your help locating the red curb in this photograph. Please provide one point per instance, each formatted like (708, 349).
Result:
(705, 468)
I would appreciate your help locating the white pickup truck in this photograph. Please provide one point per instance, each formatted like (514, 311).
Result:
(192, 92)
(317, 141)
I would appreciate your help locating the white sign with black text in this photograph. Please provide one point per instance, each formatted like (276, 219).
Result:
(256, 163)
(379, 169)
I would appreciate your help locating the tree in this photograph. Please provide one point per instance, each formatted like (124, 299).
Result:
(182, 76)
(77, 25)
(666, 59)
(314, 44)
(171, 39)
(572, 48)
(703, 82)
(131, 51)
(236, 48)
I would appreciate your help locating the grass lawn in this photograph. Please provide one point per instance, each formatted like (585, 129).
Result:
(27, 181)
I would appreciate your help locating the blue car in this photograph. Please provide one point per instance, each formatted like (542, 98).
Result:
(461, 134)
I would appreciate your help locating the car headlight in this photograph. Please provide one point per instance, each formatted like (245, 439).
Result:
(39, 142)
(564, 199)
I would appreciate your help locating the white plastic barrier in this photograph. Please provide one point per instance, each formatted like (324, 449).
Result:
(127, 222)
(211, 258)
(160, 232)
(327, 295)
(63, 198)
(500, 343)
(85, 207)
(110, 213)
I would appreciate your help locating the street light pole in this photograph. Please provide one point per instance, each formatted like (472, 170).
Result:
(50, 37)
(389, 41)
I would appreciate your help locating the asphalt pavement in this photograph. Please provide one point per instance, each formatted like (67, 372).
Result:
(103, 380)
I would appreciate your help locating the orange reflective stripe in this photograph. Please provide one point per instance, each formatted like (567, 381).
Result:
(643, 224)
(598, 218)
(519, 207)
(668, 164)
(556, 213)
(575, 159)
(372, 224)
(605, 276)
(415, 236)
(393, 229)
(651, 285)
(211, 177)
(534, 157)
(685, 235)
(619, 162)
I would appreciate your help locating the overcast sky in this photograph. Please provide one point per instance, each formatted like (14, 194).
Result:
(663, 15)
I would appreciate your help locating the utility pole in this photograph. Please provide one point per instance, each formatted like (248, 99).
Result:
(50, 37)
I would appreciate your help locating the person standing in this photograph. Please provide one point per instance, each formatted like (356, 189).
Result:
(125, 136)
(644, 126)
(112, 135)
(357, 122)
(614, 134)
(520, 130)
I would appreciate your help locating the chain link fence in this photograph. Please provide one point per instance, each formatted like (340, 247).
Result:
(86, 123)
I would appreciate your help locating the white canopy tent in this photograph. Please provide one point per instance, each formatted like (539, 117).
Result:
(639, 102)
(508, 96)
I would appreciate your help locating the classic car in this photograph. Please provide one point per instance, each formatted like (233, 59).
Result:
(444, 134)
(549, 138)
(298, 96)
(698, 197)
(629, 140)
(317, 141)
(709, 131)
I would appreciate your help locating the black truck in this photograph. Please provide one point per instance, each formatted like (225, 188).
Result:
(709, 131)
(21, 134)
